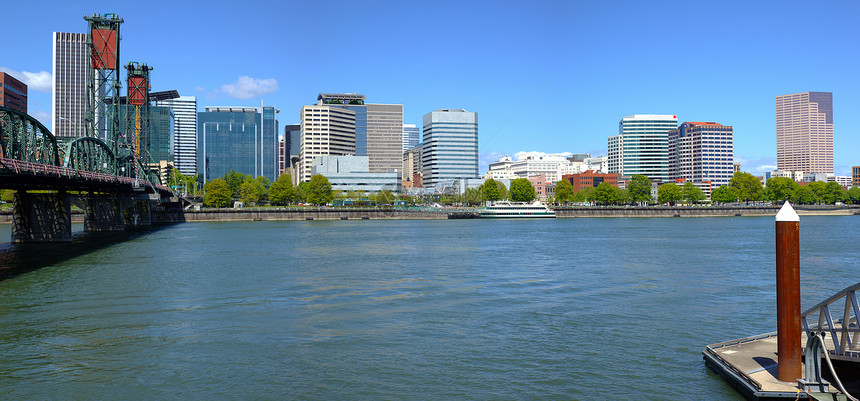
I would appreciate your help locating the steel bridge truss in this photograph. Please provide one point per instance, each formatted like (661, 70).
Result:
(24, 138)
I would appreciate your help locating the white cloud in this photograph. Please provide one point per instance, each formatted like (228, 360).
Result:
(522, 155)
(37, 81)
(246, 87)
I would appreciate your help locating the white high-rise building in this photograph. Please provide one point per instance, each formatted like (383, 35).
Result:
(325, 131)
(450, 149)
(642, 146)
(702, 152)
(69, 94)
(411, 136)
(804, 132)
(184, 132)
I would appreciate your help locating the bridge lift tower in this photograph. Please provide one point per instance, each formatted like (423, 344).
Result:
(137, 115)
(102, 117)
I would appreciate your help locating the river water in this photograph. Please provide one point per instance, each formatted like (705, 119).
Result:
(574, 308)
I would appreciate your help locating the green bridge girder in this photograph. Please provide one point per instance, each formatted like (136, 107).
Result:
(24, 138)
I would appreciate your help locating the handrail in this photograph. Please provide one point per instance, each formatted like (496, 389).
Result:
(844, 346)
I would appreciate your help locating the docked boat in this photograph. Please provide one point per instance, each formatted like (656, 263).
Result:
(516, 210)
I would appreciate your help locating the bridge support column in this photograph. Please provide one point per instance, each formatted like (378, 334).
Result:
(103, 214)
(44, 217)
(137, 214)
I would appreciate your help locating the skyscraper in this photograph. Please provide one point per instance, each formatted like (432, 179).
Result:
(450, 148)
(68, 99)
(701, 152)
(642, 146)
(325, 131)
(804, 132)
(243, 139)
(411, 136)
(378, 129)
(13, 93)
(184, 132)
(290, 147)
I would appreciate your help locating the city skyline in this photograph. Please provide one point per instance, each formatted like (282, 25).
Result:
(551, 77)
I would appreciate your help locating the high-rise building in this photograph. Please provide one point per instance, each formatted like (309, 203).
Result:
(450, 147)
(378, 129)
(701, 152)
(289, 148)
(642, 146)
(325, 131)
(411, 136)
(244, 139)
(855, 176)
(71, 54)
(804, 132)
(13, 93)
(184, 132)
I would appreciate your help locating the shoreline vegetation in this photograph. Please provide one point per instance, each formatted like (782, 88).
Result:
(429, 213)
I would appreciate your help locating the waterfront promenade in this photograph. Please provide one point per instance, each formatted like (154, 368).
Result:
(408, 213)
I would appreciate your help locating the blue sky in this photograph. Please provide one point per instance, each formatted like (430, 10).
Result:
(548, 76)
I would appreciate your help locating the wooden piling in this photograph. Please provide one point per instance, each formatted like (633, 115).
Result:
(788, 294)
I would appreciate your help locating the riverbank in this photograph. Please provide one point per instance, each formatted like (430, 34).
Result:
(391, 213)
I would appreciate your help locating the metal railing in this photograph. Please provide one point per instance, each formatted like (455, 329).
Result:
(844, 333)
(38, 169)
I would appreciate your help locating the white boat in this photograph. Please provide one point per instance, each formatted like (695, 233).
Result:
(516, 210)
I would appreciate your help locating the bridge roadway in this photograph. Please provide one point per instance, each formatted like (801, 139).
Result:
(110, 202)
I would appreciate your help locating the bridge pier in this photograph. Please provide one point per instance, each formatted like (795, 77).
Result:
(137, 214)
(42, 217)
(103, 214)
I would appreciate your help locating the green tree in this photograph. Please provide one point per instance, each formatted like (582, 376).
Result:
(7, 195)
(217, 193)
(383, 197)
(302, 192)
(248, 192)
(234, 182)
(691, 193)
(605, 194)
(472, 196)
(503, 190)
(746, 186)
(639, 188)
(669, 193)
(780, 189)
(723, 194)
(490, 190)
(804, 196)
(833, 193)
(564, 191)
(319, 190)
(853, 196)
(522, 190)
(818, 188)
(584, 195)
(282, 192)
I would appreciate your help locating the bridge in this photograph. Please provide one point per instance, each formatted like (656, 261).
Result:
(49, 175)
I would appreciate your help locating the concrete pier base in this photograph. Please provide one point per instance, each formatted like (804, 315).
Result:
(41, 217)
(103, 214)
(137, 214)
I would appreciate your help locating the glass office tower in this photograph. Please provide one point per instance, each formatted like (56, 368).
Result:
(243, 139)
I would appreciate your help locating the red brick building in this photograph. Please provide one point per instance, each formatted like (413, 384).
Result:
(13, 93)
(590, 178)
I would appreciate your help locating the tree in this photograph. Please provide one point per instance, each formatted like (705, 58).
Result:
(503, 190)
(472, 196)
(254, 190)
(282, 191)
(522, 190)
(780, 189)
(584, 195)
(490, 190)
(605, 194)
(804, 196)
(319, 190)
(217, 193)
(691, 193)
(833, 193)
(234, 182)
(302, 192)
(669, 193)
(564, 191)
(383, 197)
(639, 188)
(723, 194)
(746, 186)
(853, 196)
